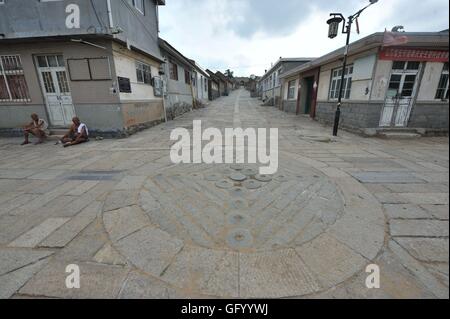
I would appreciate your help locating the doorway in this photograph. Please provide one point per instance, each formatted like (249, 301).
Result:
(309, 94)
(400, 94)
(56, 90)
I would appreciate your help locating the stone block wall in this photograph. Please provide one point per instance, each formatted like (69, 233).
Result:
(290, 106)
(354, 115)
(430, 115)
(177, 110)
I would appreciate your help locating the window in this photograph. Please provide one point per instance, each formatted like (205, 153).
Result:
(403, 65)
(139, 5)
(442, 91)
(50, 61)
(187, 77)
(89, 69)
(173, 70)
(336, 78)
(13, 86)
(291, 90)
(144, 73)
(206, 84)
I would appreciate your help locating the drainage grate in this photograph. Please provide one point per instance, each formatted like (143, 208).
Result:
(94, 175)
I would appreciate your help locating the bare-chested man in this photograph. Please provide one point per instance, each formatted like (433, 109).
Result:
(77, 134)
(37, 127)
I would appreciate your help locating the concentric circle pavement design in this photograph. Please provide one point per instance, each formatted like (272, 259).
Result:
(225, 231)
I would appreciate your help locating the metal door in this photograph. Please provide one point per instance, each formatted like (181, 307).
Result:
(400, 94)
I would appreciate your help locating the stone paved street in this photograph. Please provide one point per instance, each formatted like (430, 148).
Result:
(141, 227)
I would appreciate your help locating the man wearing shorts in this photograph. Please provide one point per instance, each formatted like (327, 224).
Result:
(77, 134)
(37, 127)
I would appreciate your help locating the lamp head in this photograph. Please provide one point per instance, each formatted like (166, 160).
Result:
(334, 26)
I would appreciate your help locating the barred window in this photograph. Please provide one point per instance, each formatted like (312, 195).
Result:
(144, 73)
(442, 91)
(336, 78)
(13, 86)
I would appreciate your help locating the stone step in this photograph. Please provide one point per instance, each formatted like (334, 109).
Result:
(399, 135)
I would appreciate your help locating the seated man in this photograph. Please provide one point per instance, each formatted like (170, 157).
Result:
(77, 134)
(37, 127)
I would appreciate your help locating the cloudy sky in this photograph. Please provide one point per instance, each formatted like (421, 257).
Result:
(248, 35)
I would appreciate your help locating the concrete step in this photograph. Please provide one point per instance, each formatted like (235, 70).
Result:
(399, 135)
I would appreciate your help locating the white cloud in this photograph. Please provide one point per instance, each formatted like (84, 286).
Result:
(209, 31)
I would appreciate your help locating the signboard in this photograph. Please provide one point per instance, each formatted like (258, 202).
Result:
(410, 54)
(124, 85)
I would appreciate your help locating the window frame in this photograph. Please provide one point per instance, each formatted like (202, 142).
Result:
(445, 88)
(18, 71)
(335, 79)
(187, 77)
(173, 71)
(291, 89)
(137, 8)
(141, 67)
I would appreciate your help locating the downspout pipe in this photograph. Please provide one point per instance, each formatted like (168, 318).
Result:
(110, 17)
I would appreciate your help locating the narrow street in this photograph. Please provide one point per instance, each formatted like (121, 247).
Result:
(139, 226)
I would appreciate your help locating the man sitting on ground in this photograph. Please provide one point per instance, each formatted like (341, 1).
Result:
(37, 127)
(77, 134)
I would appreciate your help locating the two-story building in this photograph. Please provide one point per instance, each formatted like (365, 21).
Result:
(404, 86)
(270, 82)
(98, 60)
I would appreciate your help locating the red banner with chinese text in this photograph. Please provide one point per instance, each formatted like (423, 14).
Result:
(409, 54)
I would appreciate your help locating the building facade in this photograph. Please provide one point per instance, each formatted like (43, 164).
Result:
(213, 85)
(224, 85)
(178, 74)
(270, 82)
(62, 59)
(385, 87)
(201, 85)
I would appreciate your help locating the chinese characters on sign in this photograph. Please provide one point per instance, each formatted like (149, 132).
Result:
(396, 54)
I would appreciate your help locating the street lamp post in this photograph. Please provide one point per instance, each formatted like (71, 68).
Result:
(334, 22)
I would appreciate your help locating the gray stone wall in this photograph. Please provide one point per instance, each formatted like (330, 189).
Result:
(290, 106)
(431, 115)
(354, 115)
(177, 110)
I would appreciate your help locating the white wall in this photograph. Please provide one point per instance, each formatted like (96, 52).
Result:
(363, 70)
(125, 64)
(430, 81)
(201, 90)
(363, 65)
(324, 85)
(381, 80)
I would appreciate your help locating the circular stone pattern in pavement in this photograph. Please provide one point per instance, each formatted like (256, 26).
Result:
(300, 232)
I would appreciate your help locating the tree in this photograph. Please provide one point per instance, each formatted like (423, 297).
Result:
(229, 74)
